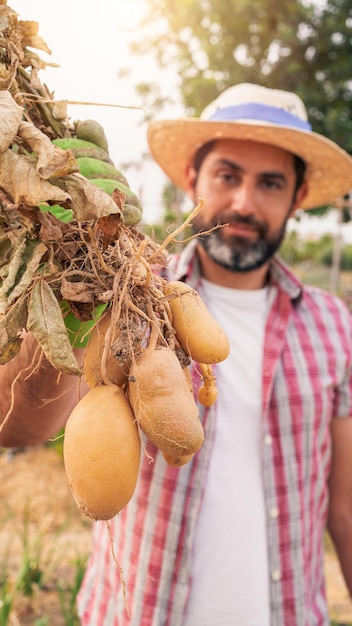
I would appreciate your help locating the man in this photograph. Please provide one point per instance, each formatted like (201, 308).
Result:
(235, 537)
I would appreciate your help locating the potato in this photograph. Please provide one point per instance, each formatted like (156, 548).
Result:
(162, 403)
(102, 451)
(199, 334)
(207, 395)
(177, 461)
(115, 373)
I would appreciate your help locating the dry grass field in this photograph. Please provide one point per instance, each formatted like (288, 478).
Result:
(44, 541)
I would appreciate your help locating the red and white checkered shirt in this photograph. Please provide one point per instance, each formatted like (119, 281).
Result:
(306, 382)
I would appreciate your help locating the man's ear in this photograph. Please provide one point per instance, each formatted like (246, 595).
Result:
(191, 180)
(299, 197)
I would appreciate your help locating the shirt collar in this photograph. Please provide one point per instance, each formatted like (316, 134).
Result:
(281, 276)
(185, 266)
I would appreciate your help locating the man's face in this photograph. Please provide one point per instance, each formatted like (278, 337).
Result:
(250, 187)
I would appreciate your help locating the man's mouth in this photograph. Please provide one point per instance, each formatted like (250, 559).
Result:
(240, 229)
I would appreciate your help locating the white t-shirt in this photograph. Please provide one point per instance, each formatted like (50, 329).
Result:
(230, 584)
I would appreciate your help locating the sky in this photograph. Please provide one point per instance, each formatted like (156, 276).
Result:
(89, 40)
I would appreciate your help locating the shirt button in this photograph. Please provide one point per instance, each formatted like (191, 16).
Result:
(274, 512)
(276, 575)
(268, 440)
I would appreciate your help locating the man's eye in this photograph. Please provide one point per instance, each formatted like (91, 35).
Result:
(227, 176)
(271, 184)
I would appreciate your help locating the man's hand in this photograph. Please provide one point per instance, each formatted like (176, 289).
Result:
(35, 406)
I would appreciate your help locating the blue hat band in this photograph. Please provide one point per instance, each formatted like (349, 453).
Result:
(259, 113)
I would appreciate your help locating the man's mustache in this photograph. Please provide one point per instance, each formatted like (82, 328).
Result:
(245, 220)
(229, 218)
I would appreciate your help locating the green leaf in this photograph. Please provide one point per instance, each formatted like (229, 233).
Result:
(64, 215)
(109, 185)
(46, 323)
(79, 332)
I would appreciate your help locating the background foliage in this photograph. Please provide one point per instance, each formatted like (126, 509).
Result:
(298, 46)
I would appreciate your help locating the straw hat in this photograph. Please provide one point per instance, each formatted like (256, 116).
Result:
(254, 113)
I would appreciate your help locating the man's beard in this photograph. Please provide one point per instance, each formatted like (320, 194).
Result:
(237, 253)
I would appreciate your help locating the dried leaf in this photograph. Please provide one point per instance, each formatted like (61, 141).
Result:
(45, 321)
(34, 253)
(10, 349)
(88, 201)
(53, 162)
(77, 291)
(10, 118)
(30, 36)
(60, 110)
(8, 76)
(11, 327)
(11, 270)
(110, 226)
(24, 263)
(6, 15)
(5, 249)
(51, 229)
(19, 178)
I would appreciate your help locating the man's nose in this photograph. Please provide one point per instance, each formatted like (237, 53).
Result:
(243, 198)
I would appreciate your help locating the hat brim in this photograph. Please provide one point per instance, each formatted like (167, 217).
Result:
(173, 144)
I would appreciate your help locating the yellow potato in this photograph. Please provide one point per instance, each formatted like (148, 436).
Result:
(177, 461)
(162, 403)
(199, 334)
(102, 452)
(207, 395)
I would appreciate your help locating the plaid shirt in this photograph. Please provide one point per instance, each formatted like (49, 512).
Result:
(306, 381)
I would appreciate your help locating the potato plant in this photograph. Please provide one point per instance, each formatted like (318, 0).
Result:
(77, 271)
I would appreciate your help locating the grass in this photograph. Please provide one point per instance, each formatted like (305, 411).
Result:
(44, 542)
(7, 599)
(68, 594)
(36, 574)
(319, 276)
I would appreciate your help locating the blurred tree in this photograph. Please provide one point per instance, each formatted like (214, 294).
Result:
(300, 46)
